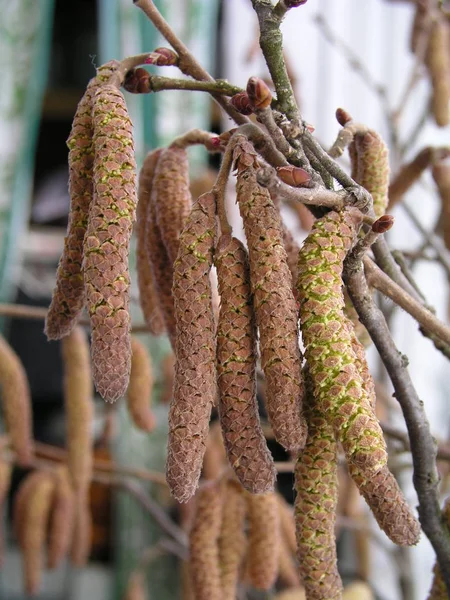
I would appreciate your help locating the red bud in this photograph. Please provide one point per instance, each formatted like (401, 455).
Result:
(294, 176)
(137, 81)
(162, 57)
(343, 117)
(383, 224)
(258, 93)
(241, 103)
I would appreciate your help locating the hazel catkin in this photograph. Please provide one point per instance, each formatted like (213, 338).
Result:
(139, 393)
(61, 518)
(273, 301)
(106, 244)
(195, 387)
(437, 60)
(372, 156)
(441, 176)
(82, 534)
(236, 371)
(69, 294)
(5, 481)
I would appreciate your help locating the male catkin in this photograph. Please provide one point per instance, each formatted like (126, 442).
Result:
(61, 519)
(139, 393)
(372, 157)
(437, 60)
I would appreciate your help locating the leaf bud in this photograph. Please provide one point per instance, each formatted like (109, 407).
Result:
(294, 176)
(162, 57)
(137, 81)
(258, 93)
(241, 102)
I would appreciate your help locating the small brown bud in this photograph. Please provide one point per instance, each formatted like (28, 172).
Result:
(162, 57)
(258, 93)
(383, 224)
(343, 117)
(294, 176)
(242, 104)
(137, 81)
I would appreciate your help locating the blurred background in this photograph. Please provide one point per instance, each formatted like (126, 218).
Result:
(349, 53)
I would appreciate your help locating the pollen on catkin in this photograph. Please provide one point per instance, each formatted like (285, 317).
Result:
(61, 518)
(69, 294)
(107, 240)
(337, 383)
(273, 301)
(372, 168)
(148, 295)
(437, 61)
(139, 393)
(195, 386)
(236, 370)
(16, 403)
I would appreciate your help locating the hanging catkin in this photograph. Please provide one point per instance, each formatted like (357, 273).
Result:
(438, 588)
(195, 387)
(20, 501)
(139, 393)
(437, 60)
(264, 537)
(69, 296)
(79, 410)
(172, 196)
(297, 593)
(106, 244)
(287, 567)
(148, 295)
(372, 168)
(273, 300)
(338, 385)
(16, 403)
(441, 176)
(315, 506)
(203, 543)
(236, 369)
(62, 518)
(5, 481)
(35, 514)
(232, 539)
(82, 535)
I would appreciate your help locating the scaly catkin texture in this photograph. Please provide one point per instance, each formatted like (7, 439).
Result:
(36, 513)
(315, 507)
(438, 588)
(441, 175)
(437, 60)
(61, 520)
(203, 543)
(195, 388)
(172, 197)
(68, 296)
(236, 369)
(16, 403)
(373, 168)
(338, 384)
(5, 480)
(274, 303)
(232, 539)
(79, 410)
(264, 536)
(139, 393)
(148, 295)
(107, 240)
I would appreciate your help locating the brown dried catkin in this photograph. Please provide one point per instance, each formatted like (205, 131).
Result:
(273, 301)
(203, 543)
(69, 296)
(148, 295)
(139, 393)
(79, 410)
(106, 244)
(195, 387)
(62, 518)
(171, 196)
(437, 60)
(236, 370)
(16, 403)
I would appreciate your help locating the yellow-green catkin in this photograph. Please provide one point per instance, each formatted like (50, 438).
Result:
(203, 543)
(337, 383)
(139, 393)
(148, 295)
(372, 168)
(195, 386)
(107, 240)
(438, 589)
(69, 296)
(61, 520)
(236, 369)
(16, 403)
(273, 300)
(437, 60)
(5, 481)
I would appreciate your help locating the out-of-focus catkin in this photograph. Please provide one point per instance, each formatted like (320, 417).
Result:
(441, 175)
(148, 295)
(20, 501)
(287, 567)
(106, 244)
(16, 403)
(437, 60)
(372, 171)
(36, 513)
(195, 388)
(69, 296)
(136, 586)
(203, 543)
(438, 589)
(297, 593)
(273, 300)
(315, 506)
(232, 539)
(236, 369)
(62, 518)
(338, 384)
(5, 480)
(139, 393)
(82, 535)
(264, 536)
(79, 406)
(358, 590)
(172, 196)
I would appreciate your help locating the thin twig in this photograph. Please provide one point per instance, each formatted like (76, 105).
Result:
(215, 87)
